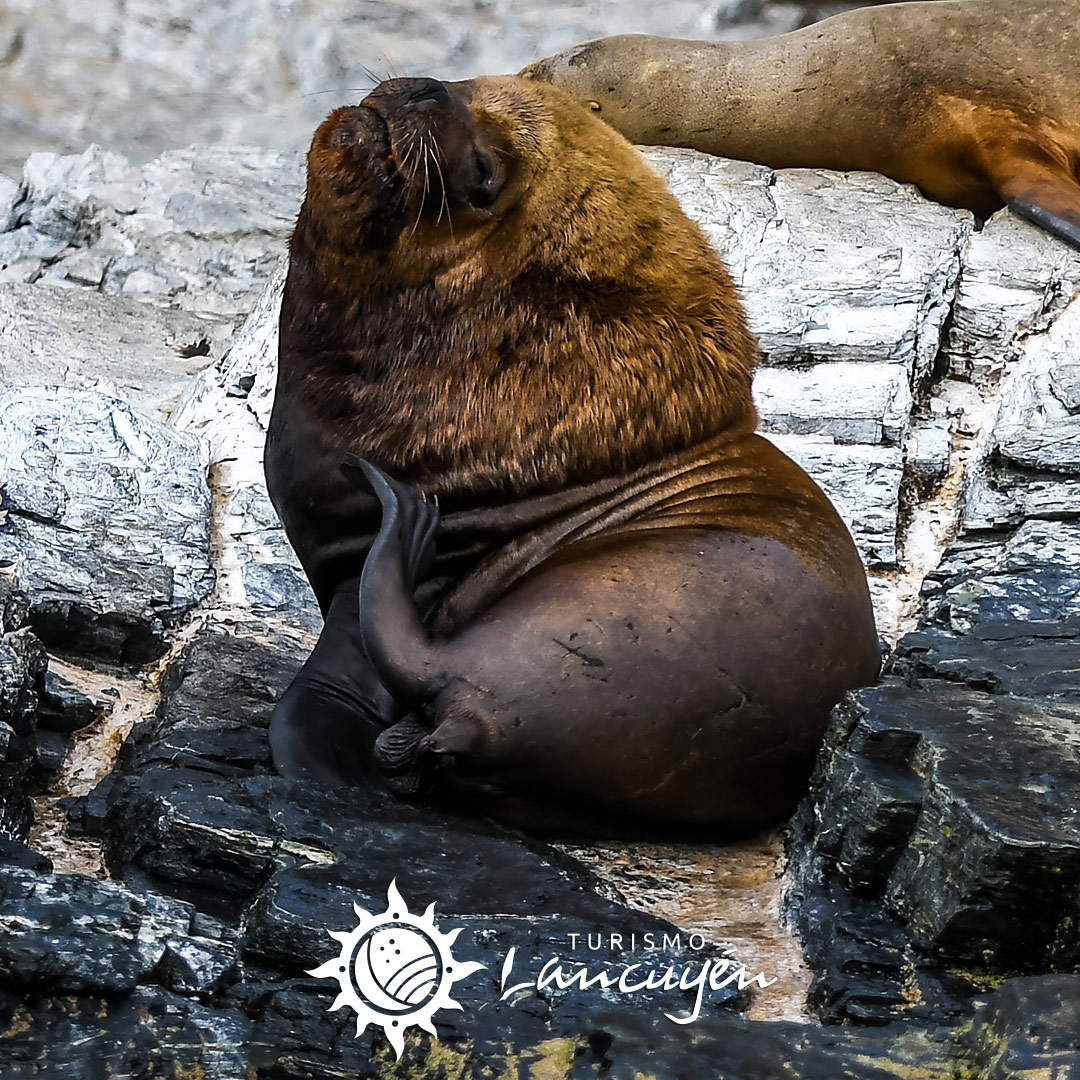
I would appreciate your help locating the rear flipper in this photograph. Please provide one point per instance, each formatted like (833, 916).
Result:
(401, 760)
(328, 724)
(416, 520)
(325, 724)
(393, 636)
(1045, 194)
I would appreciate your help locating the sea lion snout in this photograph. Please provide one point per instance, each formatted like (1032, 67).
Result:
(448, 160)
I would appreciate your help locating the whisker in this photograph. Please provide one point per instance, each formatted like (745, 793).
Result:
(442, 182)
(341, 90)
(423, 198)
(409, 165)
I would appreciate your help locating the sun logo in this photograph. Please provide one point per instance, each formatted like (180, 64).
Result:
(395, 969)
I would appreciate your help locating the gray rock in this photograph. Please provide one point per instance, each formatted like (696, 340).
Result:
(862, 481)
(108, 520)
(121, 347)
(199, 229)
(832, 266)
(1015, 279)
(228, 407)
(1032, 464)
(23, 253)
(9, 190)
(927, 451)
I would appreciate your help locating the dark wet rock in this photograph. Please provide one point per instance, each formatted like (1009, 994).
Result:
(729, 1046)
(1027, 574)
(1029, 1027)
(23, 661)
(1007, 656)
(49, 749)
(14, 853)
(107, 521)
(69, 933)
(940, 846)
(149, 1032)
(227, 879)
(65, 708)
(193, 811)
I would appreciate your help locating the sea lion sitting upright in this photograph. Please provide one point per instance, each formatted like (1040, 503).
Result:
(975, 101)
(633, 605)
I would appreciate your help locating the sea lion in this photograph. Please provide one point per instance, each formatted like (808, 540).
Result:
(975, 101)
(612, 596)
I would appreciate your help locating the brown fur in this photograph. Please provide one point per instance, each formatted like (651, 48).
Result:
(976, 101)
(591, 302)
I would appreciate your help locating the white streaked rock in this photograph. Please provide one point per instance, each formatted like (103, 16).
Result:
(107, 520)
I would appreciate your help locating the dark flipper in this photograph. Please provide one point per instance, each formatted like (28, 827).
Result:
(1047, 219)
(398, 754)
(394, 638)
(1044, 193)
(325, 725)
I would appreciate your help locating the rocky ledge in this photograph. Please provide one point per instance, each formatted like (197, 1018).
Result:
(923, 369)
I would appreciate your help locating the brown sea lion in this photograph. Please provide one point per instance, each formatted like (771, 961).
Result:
(632, 605)
(975, 101)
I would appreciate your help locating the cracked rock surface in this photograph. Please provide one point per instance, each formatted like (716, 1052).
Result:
(225, 882)
(107, 520)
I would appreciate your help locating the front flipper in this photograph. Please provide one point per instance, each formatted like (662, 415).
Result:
(1043, 193)
(325, 724)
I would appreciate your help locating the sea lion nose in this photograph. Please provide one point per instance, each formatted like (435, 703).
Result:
(408, 92)
(429, 90)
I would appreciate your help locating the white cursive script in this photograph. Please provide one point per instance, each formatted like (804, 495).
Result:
(716, 974)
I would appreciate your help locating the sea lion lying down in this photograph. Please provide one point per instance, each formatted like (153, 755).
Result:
(976, 101)
(612, 597)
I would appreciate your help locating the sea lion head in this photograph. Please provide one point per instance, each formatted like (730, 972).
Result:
(620, 79)
(498, 257)
(423, 173)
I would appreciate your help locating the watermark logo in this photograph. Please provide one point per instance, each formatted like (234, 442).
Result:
(395, 969)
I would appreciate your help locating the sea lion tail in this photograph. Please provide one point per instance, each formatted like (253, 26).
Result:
(396, 642)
